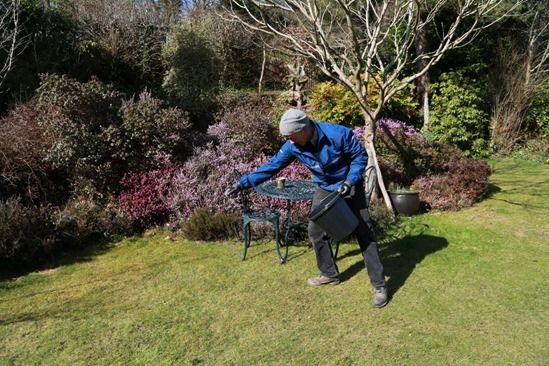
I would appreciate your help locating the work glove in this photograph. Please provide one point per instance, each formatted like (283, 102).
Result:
(345, 189)
(233, 190)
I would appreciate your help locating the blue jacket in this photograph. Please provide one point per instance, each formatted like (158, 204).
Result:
(337, 157)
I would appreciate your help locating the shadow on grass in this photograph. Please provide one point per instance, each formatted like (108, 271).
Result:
(400, 255)
(10, 269)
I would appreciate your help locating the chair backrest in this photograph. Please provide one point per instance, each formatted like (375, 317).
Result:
(370, 178)
(245, 200)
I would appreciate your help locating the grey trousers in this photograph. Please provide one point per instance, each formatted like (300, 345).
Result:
(364, 233)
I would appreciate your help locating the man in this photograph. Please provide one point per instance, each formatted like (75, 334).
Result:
(337, 160)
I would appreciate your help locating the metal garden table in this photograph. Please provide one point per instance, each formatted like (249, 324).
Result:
(293, 190)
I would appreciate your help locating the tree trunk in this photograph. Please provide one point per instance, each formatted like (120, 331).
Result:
(369, 138)
(260, 84)
(422, 81)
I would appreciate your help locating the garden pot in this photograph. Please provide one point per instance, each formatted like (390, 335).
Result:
(405, 203)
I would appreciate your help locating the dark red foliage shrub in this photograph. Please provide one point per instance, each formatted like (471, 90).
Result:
(461, 185)
(142, 196)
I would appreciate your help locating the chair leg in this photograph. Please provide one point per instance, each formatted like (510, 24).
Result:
(281, 250)
(247, 239)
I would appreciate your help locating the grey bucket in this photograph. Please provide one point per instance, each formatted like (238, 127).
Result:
(334, 216)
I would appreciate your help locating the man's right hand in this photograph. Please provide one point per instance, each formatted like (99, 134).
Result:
(233, 190)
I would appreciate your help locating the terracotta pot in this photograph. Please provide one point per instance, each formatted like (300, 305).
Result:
(405, 203)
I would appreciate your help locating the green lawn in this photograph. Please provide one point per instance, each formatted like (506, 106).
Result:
(469, 288)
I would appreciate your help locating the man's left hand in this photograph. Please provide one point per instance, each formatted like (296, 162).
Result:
(345, 189)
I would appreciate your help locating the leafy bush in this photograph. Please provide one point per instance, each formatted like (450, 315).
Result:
(194, 67)
(81, 119)
(151, 130)
(25, 232)
(97, 136)
(205, 225)
(538, 115)
(461, 185)
(332, 102)
(458, 114)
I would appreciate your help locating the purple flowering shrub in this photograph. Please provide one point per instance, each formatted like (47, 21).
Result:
(445, 177)
(203, 179)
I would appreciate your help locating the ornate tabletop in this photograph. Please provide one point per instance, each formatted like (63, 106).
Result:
(293, 190)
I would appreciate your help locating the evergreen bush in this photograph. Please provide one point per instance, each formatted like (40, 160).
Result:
(458, 114)
(194, 64)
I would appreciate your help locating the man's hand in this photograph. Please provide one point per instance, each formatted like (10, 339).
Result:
(345, 189)
(233, 190)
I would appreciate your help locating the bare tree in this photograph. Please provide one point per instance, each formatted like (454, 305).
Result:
(359, 43)
(11, 41)
(523, 74)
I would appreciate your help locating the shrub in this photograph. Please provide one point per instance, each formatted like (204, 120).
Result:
(194, 64)
(538, 114)
(246, 121)
(142, 196)
(205, 225)
(23, 171)
(457, 114)
(151, 130)
(26, 233)
(332, 102)
(81, 119)
(83, 219)
(461, 185)
(437, 170)
(96, 136)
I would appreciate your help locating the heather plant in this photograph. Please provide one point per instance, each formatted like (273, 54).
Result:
(206, 225)
(142, 196)
(461, 185)
(84, 218)
(246, 121)
(438, 171)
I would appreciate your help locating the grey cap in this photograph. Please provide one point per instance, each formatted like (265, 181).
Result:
(293, 121)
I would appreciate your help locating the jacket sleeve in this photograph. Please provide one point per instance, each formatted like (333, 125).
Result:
(279, 161)
(358, 156)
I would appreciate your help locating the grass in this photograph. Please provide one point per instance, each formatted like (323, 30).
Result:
(468, 288)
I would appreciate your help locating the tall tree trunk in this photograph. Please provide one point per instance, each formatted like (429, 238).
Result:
(260, 84)
(422, 81)
(369, 138)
